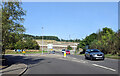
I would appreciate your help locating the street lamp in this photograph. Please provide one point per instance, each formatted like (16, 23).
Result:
(42, 40)
(74, 45)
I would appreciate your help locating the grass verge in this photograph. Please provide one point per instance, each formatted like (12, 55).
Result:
(27, 52)
(112, 56)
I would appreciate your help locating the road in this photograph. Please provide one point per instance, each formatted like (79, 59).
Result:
(73, 64)
(110, 63)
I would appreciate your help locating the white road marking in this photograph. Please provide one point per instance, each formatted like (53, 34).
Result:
(80, 61)
(62, 58)
(74, 58)
(104, 67)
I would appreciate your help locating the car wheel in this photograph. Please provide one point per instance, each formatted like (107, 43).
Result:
(91, 58)
(86, 57)
(103, 58)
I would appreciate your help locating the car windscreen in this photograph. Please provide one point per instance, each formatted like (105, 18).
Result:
(63, 50)
(68, 50)
(94, 50)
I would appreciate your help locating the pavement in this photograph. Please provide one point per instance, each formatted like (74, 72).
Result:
(15, 69)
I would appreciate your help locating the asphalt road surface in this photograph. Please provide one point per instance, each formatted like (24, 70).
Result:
(72, 64)
(109, 63)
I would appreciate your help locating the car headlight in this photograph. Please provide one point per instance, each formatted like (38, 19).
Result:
(93, 54)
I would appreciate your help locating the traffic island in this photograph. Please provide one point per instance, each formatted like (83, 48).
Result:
(18, 69)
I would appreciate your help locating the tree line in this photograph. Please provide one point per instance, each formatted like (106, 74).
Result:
(19, 42)
(40, 37)
(105, 40)
(71, 40)
(50, 38)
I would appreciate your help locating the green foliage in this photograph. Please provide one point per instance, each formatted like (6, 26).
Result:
(40, 37)
(20, 45)
(28, 43)
(0, 28)
(12, 19)
(13, 38)
(87, 41)
(12, 27)
(106, 40)
(31, 44)
(69, 47)
(49, 38)
(76, 40)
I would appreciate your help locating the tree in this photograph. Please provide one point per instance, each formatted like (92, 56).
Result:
(20, 45)
(106, 41)
(0, 30)
(13, 38)
(31, 44)
(87, 41)
(90, 38)
(69, 47)
(118, 42)
(12, 18)
(28, 44)
(35, 45)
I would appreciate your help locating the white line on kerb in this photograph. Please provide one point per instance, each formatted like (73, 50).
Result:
(104, 67)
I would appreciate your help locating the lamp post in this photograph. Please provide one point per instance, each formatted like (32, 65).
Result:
(42, 40)
(74, 45)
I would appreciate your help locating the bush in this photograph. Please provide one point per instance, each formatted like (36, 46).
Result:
(69, 48)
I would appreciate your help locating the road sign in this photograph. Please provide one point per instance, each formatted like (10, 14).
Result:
(18, 50)
(50, 46)
(23, 52)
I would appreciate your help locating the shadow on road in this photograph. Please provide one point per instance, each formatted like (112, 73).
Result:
(11, 59)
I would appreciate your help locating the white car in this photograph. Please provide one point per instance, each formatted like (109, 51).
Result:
(63, 50)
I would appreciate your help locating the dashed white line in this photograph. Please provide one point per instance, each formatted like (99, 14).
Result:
(104, 67)
(74, 58)
(62, 58)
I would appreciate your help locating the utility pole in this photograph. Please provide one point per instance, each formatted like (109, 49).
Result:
(42, 40)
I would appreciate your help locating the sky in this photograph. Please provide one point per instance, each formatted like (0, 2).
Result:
(69, 20)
